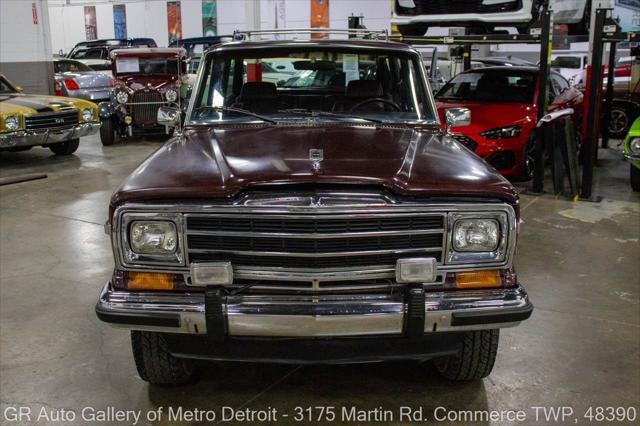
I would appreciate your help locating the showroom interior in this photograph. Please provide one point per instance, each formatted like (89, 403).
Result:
(319, 211)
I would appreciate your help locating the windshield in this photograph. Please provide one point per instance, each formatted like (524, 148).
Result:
(70, 66)
(146, 65)
(572, 62)
(330, 83)
(94, 53)
(488, 85)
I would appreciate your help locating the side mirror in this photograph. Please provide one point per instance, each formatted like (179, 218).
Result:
(456, 117)
(168, 116)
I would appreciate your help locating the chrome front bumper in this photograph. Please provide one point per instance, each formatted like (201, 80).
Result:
(314, 316)
(46, 137)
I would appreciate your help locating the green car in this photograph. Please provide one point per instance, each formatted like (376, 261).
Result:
(632, 153)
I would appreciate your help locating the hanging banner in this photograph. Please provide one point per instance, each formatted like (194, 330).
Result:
(319, 17)
(90, 25)
(174, 20)
(119, 21)
(209, 18)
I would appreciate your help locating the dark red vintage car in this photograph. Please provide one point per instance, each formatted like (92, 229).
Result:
(327, 220)
(503, 108)
(146, 79)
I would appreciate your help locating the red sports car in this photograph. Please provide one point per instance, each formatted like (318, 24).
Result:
(503, 108)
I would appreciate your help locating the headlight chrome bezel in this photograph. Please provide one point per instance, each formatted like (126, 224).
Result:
(171, 95)
(122, 97)
(87, 115)
(130, 257)
(634, 146)
(499, 255)
(13, 118)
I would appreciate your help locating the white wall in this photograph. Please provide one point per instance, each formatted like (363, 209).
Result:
(25, 47)
(148, 18)
(21, 40)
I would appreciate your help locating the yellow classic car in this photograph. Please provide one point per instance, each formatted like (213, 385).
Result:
(38, 120)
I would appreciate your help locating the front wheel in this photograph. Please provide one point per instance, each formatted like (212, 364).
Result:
(634, 177)
(154, 361)
(65, 148)
(476, 358)
(107, 132)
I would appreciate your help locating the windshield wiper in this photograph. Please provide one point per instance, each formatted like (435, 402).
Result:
(238, 111)
(312, 113)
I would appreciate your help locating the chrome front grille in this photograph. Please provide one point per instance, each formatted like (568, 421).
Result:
(144, 106)
(314, 243)
(51, 120)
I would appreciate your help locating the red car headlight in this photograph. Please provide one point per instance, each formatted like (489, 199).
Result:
(502, 132)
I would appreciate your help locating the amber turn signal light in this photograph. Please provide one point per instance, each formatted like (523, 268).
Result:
(149, 281)
(478, 279)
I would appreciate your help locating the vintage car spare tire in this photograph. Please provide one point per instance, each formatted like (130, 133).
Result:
(107, 132)
(475, 359)
(65, 148)
(154, 361)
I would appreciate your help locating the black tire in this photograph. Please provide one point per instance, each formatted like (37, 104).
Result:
(65, 148)
(107, 132)
(528, 162)
(155, 363)
(413, 29)
(620, 119)
(634, 177)
(475, 360)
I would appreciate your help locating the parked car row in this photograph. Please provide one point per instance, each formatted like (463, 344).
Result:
(54, 122)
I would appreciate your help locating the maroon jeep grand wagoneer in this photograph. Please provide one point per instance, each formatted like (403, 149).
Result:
(323, 218)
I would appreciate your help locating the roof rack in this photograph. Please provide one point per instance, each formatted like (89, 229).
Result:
(356, 32)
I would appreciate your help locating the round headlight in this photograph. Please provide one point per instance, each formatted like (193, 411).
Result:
(171, 95)
(12, 123)
(87, 114)
(476, 235)
(153, 237)
(634, 146)
(122, 97)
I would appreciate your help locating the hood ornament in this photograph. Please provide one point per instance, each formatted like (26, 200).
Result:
(316, 156)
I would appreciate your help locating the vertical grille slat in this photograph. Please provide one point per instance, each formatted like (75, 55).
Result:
(144, 106)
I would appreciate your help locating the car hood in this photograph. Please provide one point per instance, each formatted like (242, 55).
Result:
(157, 82)
(18, 103)
(486, 116)
(220, 163)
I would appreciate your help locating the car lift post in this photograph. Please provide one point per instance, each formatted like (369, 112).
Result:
(543, 76)
(608, 97)
(595, 85)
